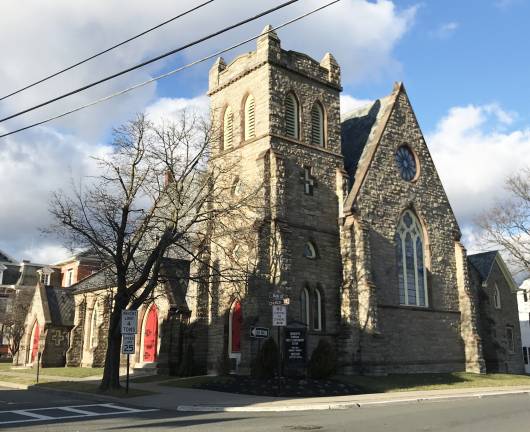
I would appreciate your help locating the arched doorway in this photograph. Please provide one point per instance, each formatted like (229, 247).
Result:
(151, 334)
(234, 341)
(35, 336)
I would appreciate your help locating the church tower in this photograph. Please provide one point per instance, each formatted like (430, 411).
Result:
(279, 116)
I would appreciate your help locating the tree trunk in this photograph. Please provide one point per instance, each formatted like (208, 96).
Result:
(111, 371)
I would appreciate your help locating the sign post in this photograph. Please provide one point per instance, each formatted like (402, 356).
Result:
(129, 328)
(279, 302)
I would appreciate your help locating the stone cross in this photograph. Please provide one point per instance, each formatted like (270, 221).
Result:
(308, 180)
(57, 337)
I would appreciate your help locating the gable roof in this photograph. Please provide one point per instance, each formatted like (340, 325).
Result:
(483, 264)
(361, 133)
(60, 306)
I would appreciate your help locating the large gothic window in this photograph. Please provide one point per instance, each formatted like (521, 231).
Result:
(228, 128)
(317, 125)
(304, 306)
(250, 121)
(94, 327)
(317, 310)
(292, 116)
(412, 275)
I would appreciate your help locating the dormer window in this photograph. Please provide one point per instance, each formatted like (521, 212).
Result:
(250, 120)
(292, 115)
(69, 277)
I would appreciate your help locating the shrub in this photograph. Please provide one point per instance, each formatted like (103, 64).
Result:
(323, 362)
(266, 362)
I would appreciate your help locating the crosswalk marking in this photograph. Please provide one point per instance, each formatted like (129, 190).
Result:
(78, 411)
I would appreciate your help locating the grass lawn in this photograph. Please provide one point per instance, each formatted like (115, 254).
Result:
(151, 378)
(71, 372)
(93, 388)
(402, 382)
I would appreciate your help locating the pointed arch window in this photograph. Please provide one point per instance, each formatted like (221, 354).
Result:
(250, 120)
(412, 275)
(496, 297)
(317, 310)
(292, 115)
(228, 128)
(304, 306)
(310, 251)
(94, 327)
(317, 125)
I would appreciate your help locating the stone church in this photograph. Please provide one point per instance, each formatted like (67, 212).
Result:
(369, 248)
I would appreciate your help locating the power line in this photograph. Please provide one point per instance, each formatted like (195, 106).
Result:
(172, 72)
(107, 50)
(145, 63)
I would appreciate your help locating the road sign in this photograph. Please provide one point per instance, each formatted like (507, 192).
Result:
(129, 322)
(279, 315)
(277, 299)
(128, 343)
(259, 332)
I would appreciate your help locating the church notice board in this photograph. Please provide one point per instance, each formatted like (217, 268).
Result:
(295, 347)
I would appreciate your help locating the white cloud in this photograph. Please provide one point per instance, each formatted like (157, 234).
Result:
(445, 30)
(349, 103)
(52, 35)
(474, 152)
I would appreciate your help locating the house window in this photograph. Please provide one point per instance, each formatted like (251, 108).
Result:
(292, 113)
(228, 128)
(317, 125)
(94, 327)
(525, 296)
(69, 277)
(2, 269)
(496, 297)
(310, 251)
(304, 306)
(412, 275)
(317, 310)
(510, 339)
(46, 279)
(525, 355)
(250, 120)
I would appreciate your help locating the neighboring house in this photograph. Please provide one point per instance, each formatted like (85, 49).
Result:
(523, 300)
(77, 267)
(499, 318)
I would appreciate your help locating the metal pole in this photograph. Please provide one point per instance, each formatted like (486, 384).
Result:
(279, 363)
(38, 366)
(127, 384)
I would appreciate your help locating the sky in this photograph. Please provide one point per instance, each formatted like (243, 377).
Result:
(464, 64)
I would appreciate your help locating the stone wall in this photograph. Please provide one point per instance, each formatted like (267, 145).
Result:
(404, 338)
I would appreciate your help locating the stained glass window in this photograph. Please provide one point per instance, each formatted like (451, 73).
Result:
(406, 163)
(412, 275)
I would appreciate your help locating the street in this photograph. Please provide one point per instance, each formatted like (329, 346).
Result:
(28, 410)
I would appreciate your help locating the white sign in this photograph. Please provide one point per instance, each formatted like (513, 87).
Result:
(128, 343)
(279, 316)
(259, 332)
(129, 322)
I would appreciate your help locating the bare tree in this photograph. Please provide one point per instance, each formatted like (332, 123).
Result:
(507, 223)
(159, 193)
(15, 317)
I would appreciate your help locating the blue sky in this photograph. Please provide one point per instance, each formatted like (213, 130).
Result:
(465, 65)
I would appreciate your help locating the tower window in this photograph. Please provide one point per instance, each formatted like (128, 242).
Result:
(228, 128)
(496, 297)
(250, 120)
(310, 251)
(317, 125)
(291, 116)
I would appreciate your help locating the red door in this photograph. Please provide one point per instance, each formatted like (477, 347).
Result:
(151, 335)
(35, 344)
(236, 328)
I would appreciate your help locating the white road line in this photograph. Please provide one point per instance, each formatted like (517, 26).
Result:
(78, 413)
(34, 416)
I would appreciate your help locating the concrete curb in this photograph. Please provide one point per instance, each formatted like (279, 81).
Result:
(346, 405)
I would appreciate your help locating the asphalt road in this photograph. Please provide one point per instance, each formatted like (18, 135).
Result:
(38, 411)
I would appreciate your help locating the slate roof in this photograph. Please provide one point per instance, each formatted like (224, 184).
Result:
(483, 262)
(357, 128)
(61, 306)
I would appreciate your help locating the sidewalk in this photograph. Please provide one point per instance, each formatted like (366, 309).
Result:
(185, 399)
